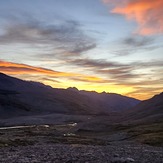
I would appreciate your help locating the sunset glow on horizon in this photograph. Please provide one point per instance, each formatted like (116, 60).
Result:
(97, 45)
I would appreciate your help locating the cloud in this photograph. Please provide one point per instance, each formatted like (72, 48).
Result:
(92, 63)
(15, 68)
(137, 41)
(114, 72)
(62, 39)
(141, 92)
(32, 31)
(49, 79)
(102, 66)
(119, 73)
(134, 43)
(147, 13)
(92, 80)
(80, 48)
(26, 70)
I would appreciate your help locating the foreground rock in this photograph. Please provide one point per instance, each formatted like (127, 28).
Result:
(75, 153)
(65, 144)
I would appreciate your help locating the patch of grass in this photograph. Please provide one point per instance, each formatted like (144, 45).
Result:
(4, 143)
(154, 139)
(15, 142)
(151, 134)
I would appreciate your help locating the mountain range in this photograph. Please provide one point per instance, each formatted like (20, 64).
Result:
(19, 98)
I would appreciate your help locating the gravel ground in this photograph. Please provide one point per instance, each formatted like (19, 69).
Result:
(42, 144)
(69, 153)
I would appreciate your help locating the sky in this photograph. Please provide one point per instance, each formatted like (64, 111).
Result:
(97, 45)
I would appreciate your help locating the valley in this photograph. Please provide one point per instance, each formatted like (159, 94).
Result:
(39, 123)
(68, 143)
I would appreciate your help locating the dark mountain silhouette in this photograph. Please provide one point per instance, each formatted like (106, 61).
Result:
(19, 98)
(92, 115)
(148, 110)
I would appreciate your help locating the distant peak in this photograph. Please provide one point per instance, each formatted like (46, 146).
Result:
(158, 95)
(2, 74)
(103, 92)
(73, 89)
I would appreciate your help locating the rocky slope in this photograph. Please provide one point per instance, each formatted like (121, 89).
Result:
(47, 144)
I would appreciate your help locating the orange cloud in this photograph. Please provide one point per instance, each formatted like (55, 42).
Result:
(147, 13)
(15, 68)
(23, 69)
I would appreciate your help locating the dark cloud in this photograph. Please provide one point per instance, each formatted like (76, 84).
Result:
(138, 41)
(134, 43)
(83, 48)
(113, 70)
(62, 38)
(150, 64)
(92, 63)
(120, 73)
(38, 33)
(49, 79)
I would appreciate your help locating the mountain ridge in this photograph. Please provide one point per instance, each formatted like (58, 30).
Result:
(147, 110)
(43, 98)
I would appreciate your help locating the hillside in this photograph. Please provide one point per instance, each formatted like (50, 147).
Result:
(148, 110)
(18, 97)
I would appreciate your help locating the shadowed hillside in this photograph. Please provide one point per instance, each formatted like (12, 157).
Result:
(148, 110)
(18, 97)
